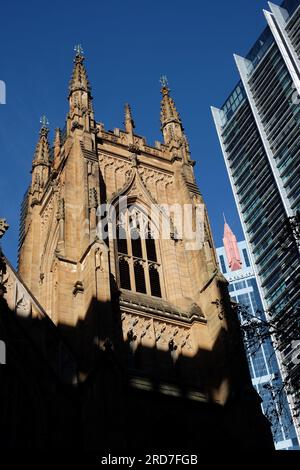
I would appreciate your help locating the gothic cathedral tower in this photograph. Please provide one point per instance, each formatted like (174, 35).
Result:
(161, 308)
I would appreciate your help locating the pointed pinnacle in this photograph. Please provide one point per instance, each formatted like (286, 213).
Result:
(129, 122)
(42, 151)
(168, 112)
(44, 129)
(79, 79)
(57, 137)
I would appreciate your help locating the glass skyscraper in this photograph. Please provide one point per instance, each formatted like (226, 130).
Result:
(234, 261)
(259, 131)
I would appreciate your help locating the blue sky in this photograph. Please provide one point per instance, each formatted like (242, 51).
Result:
(128, 45)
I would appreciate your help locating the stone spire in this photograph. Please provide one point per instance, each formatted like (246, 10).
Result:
(41, 162)
(169, 113)
(81, 115)
(128, 122)
(231, 249)
(79, 79)
(57, 147)
(42, 151)
(171, 124)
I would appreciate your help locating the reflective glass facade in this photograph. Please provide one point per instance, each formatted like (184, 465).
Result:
(261, 357)
(260, 139)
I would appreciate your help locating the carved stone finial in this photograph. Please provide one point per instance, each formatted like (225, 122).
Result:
(3, 227)
(129, 122)
(133, 148)
(134, 160)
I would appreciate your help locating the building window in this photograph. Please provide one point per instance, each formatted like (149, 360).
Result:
(138, 257)
(246, 258)
(136, 243)
(154, 281)
(124, 273)
(139, 276)
(151, 249)
(122, 241)
(223, 265)
(244, 300)
(240, 285)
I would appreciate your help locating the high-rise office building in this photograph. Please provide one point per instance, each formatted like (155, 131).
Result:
(259, 131)
(234, 261)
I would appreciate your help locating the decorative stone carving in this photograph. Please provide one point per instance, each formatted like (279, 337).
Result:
(46, 214)
(3, 227)
(156, 182)
(76, 125)
(17, 297)
(23, 306)
(95, 130)
(134, 160)
(98, 259)
(118, 168)
(153, 176)
(107, 160)
(172, 338)
(37, 184)
(78, 288)
(61, 210)
(134, 148)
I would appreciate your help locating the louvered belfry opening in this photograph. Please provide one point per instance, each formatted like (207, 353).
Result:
(136, 243)
(154, 281)
(124, 274)
(151, 248)
(139, 276)
(122, 240)
(139, 260)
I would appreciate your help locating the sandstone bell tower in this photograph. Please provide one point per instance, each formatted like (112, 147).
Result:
(160, 305)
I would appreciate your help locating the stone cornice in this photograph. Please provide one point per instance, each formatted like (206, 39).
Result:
(141, 304)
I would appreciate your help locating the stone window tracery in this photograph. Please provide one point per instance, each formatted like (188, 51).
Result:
(138, 255)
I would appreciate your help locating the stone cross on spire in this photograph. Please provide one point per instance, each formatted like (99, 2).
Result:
(42, 151)
(44, 121)
(78, 49)
(79, 80)
(164, 81)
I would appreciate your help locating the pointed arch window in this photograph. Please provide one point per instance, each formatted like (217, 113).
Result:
(122, 240)
(139, 276)
(154, 280)
(138, 257)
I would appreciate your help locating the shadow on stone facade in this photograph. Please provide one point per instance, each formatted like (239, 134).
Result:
(72, 388)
